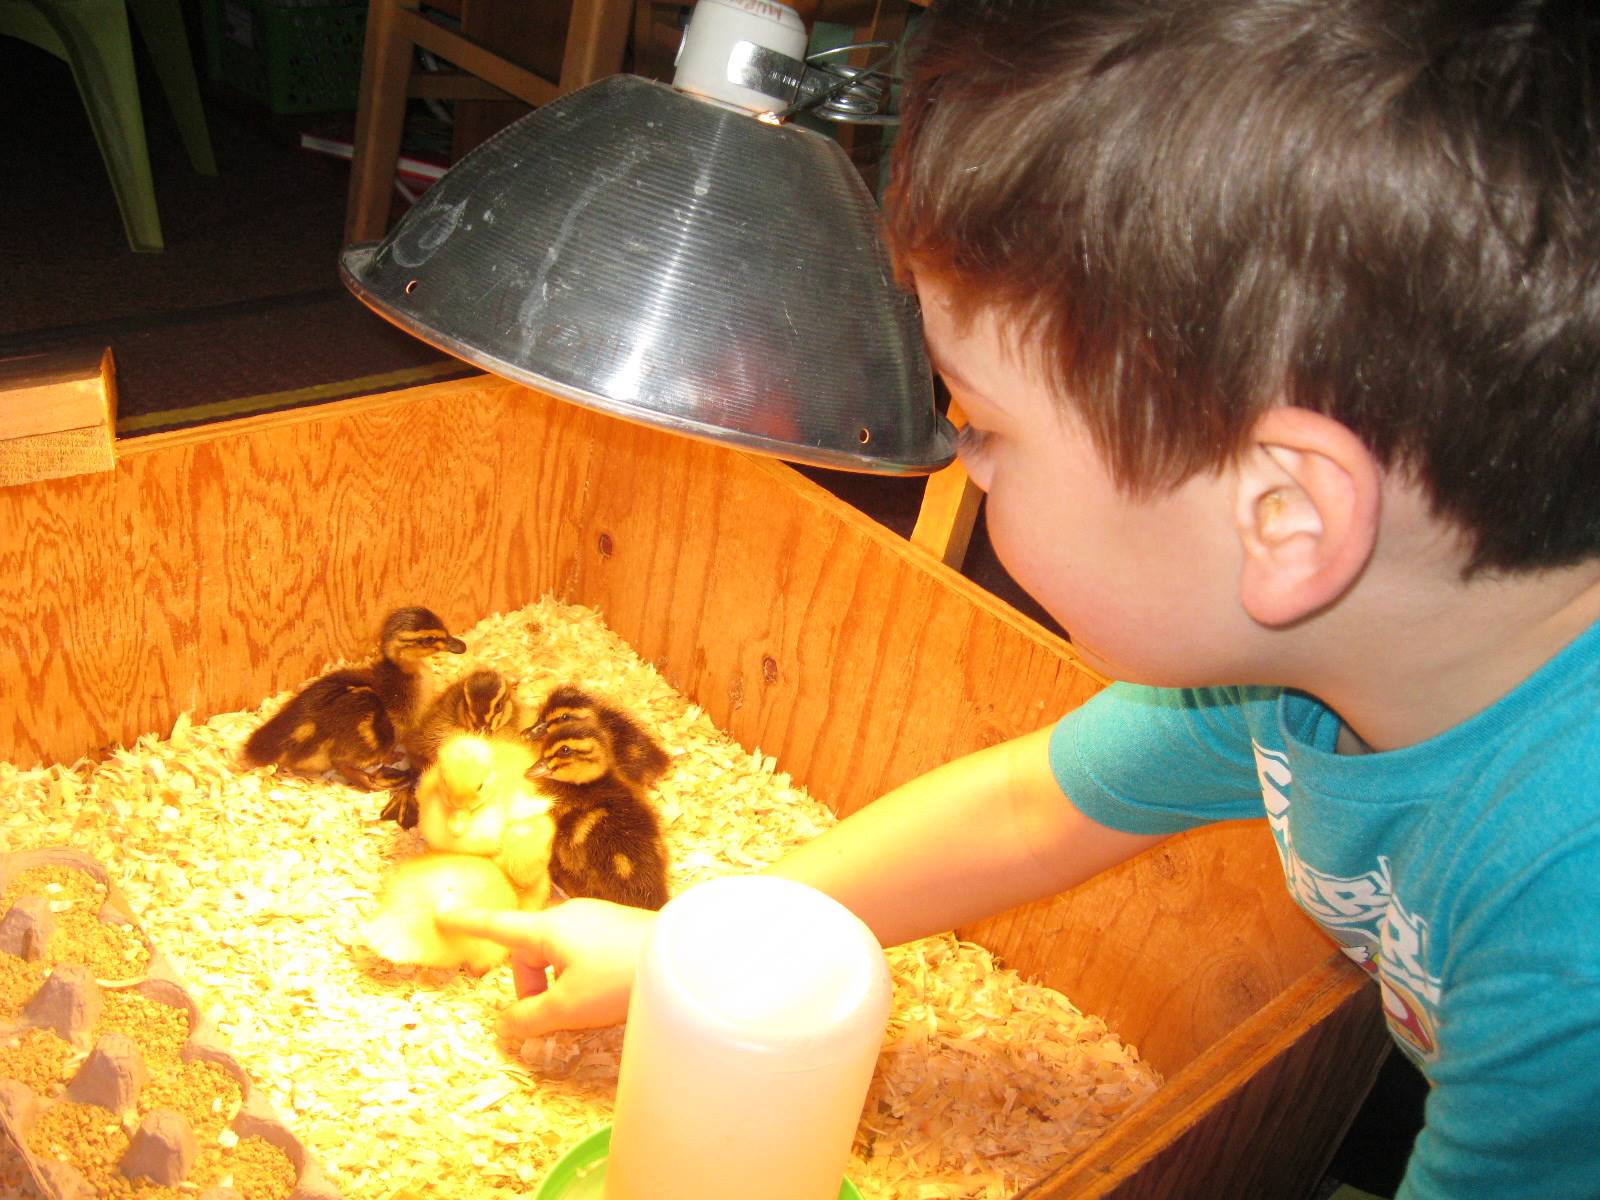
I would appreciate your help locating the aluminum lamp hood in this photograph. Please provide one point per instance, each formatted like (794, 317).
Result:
(674, 260)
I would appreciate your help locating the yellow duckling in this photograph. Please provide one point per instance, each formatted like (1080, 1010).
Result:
(403, 929)
(482, 701)
(475, 799)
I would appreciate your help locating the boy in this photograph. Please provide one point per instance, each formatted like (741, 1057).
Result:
(1277, 327)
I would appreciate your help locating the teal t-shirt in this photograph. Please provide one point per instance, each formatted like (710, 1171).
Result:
(1463, 873)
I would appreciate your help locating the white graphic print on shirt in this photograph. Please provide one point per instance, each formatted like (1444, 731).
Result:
(1364, 916)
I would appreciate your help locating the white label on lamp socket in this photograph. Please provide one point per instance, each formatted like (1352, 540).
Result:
(721, 30)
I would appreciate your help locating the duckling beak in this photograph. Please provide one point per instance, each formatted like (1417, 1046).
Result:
(539, 770)
(455, 645)
(536, 731)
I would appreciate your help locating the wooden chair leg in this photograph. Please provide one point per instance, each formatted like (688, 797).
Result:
(530, 35)
(93, 39)
(380, 121)
(949, 510)
(644, 38)
(597, 39)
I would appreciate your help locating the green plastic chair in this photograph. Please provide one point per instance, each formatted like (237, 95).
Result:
(92, 37)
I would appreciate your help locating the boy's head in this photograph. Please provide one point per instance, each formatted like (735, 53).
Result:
(1388, 213)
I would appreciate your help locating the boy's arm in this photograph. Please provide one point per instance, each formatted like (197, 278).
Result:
(968, 839)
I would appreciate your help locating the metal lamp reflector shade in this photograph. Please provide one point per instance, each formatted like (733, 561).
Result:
(670, 261)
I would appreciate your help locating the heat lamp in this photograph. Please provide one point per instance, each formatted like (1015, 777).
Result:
(684, 256)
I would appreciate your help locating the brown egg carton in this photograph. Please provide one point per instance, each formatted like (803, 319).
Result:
(112, 1070)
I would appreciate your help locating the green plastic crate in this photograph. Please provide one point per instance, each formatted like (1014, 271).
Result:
(292, 57)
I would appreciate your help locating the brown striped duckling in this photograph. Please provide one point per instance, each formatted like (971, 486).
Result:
(608, 842)
(351, 720)
(636, 757)
(482, 701)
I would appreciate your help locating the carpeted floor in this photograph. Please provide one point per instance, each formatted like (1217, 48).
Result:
(244, 302)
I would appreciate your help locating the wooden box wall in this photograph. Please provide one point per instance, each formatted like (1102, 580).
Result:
(217, 566)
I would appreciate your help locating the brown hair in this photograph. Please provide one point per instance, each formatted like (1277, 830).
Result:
(1387, 212)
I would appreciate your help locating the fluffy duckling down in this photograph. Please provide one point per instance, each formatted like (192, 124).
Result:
(475, 799)
(403, 929)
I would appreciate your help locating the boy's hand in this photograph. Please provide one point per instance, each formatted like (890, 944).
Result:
(591, 947)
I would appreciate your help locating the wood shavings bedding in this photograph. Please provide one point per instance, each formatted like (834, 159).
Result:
(250, 882)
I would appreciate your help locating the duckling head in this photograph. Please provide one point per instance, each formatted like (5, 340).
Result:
(465, 764)
(565, 705)
(575, 751)
(488, 702)
(412, 635)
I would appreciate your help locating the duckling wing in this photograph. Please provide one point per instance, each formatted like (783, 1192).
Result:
(630, 856)
(610, 849)
(339, 715)
(529, 835)
(639, 758)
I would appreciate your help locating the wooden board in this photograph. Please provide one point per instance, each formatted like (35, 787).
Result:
(57, 413)
(214, 568)
(48, 393)
(220, 565)
(1257, 1114)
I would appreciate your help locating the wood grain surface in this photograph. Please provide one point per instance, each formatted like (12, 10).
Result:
(214, 567)
(1258, 1115)
(219, 565)
(1213, 899)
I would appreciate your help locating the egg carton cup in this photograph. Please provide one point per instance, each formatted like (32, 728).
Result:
(26, 926)
(68, 1003)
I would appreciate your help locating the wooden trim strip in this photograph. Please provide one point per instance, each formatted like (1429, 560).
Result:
(221, 410)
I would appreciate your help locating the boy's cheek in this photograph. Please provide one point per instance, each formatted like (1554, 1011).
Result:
(1023, 559)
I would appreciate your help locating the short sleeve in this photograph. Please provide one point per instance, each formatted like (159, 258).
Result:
(1159, 760)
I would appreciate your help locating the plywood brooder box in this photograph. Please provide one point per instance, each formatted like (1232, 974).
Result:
(220, 565)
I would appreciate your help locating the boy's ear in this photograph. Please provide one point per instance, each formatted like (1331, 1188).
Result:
(1306, 509)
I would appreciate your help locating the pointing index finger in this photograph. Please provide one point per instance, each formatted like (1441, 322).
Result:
(518, 930)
